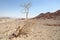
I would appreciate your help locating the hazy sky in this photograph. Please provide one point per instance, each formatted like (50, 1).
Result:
(11, 8)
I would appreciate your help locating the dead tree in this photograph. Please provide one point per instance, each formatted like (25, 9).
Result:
(26, 9)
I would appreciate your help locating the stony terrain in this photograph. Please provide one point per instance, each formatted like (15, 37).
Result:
(33, 29)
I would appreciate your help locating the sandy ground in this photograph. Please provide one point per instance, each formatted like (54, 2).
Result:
(43, 29)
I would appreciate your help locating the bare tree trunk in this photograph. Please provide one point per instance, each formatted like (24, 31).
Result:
(27, 16)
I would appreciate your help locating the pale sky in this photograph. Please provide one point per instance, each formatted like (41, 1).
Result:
(11, 8)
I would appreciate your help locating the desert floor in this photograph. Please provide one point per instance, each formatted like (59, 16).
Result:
(42, 29)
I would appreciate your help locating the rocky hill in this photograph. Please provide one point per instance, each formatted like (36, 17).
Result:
(49, 15)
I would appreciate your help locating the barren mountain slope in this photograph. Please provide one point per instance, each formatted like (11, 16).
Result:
(49, 15)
